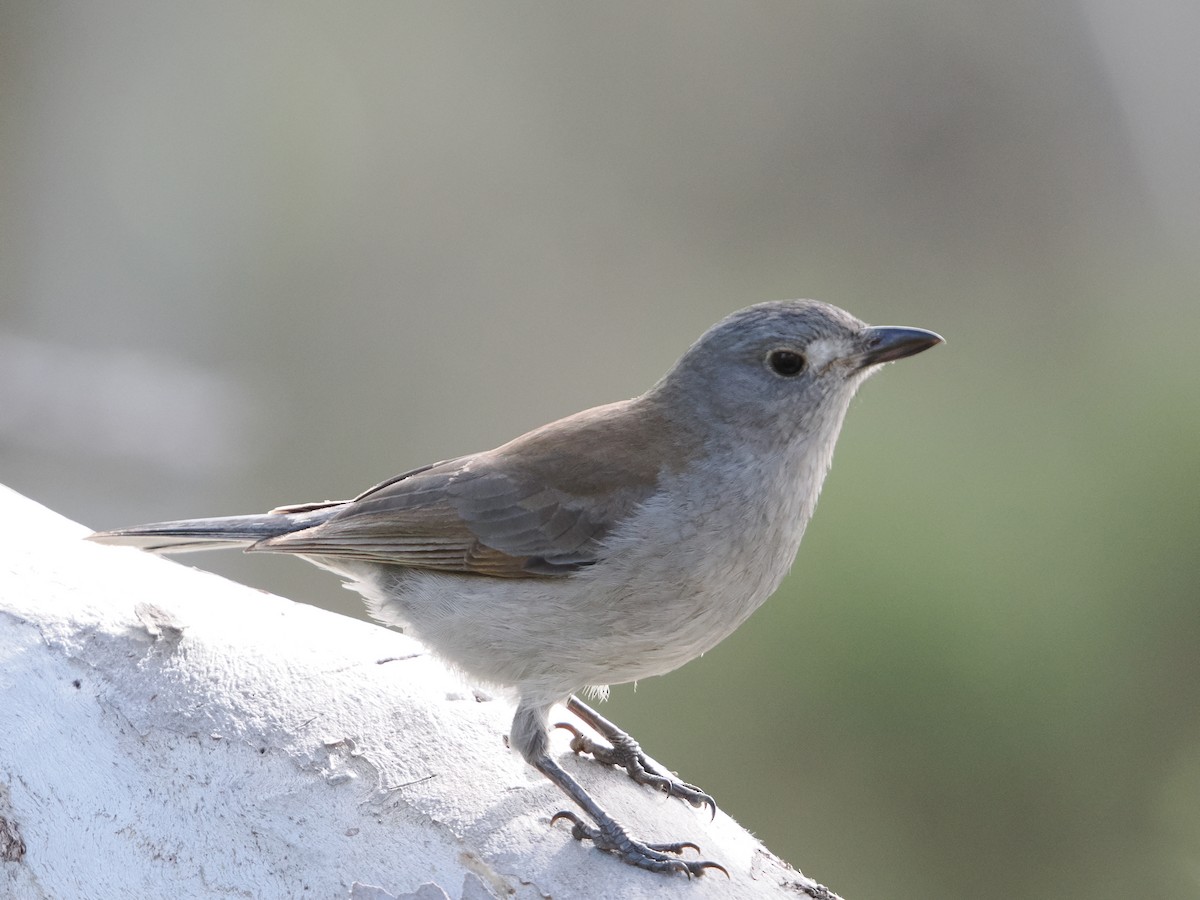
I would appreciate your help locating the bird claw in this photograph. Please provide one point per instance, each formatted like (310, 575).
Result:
(627, 754)
(611, 838)
(577, 826)
(578, 735)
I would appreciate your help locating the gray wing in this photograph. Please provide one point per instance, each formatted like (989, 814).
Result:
(487, 514)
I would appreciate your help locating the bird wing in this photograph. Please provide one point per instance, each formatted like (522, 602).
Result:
(539, 506)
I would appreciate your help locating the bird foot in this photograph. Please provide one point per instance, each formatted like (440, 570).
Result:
(625, 753)
(613, 839)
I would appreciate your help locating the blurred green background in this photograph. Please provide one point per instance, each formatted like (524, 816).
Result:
(254, 253)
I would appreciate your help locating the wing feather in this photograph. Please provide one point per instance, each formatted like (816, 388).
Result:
(540, 506)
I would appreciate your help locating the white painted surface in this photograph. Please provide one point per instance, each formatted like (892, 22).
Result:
(165, 732)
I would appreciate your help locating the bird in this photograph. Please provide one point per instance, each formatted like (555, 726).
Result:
(606, 547)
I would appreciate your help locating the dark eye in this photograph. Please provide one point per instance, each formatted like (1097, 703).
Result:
(785, 362)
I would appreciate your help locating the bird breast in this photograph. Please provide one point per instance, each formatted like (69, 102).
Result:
(701, 555)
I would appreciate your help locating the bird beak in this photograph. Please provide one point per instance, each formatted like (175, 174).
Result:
(885, 343)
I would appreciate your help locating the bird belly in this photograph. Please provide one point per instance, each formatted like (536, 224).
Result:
(676, 579)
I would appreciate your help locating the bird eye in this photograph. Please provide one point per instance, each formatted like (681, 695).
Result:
(785, 362)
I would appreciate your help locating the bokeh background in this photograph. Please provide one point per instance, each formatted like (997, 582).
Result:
(256, 252)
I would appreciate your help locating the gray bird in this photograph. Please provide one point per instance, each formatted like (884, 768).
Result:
(606, 547)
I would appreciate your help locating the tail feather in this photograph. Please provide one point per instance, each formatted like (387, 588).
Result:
(189, 535)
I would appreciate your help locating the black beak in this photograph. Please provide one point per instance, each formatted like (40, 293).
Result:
(885, 343)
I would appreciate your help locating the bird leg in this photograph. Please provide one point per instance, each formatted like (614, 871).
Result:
(609, 836)
(627, 754)
(531, 739)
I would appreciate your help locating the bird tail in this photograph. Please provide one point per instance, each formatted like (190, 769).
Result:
(188, 535)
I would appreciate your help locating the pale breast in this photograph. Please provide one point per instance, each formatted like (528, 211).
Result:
(700, 557)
